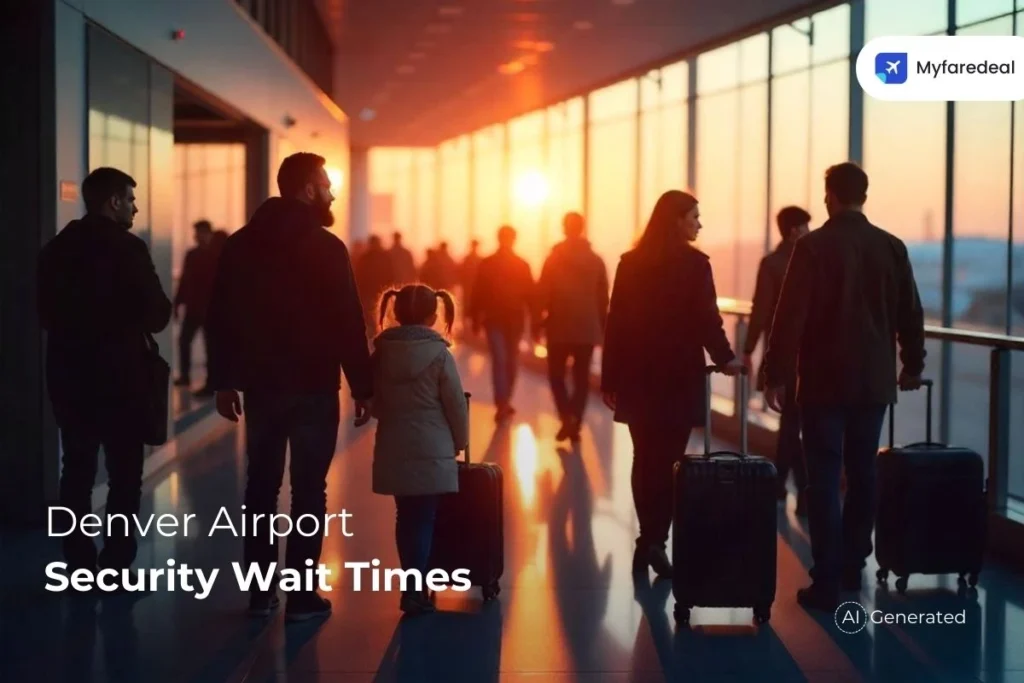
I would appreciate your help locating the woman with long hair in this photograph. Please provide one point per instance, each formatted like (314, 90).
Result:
(663, 315)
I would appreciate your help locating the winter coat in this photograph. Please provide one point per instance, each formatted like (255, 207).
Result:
(421, 411)
(573, 291)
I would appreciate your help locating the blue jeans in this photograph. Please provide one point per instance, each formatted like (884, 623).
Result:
(834, 437)
(504, 347)
(414, 532)
(309, 423)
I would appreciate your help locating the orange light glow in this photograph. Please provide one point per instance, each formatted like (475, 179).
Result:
(532, 188)
(336, 177)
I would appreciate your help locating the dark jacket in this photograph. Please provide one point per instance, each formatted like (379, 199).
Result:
(573, 292)
(285, 313)
(770, 275)
(196, 284)
(98, 296)
(664, 314)
(503, 295)
(848, 297)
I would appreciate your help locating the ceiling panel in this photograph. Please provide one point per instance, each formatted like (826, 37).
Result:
(415, 72)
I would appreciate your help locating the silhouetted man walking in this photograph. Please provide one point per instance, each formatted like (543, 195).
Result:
(287, 321)
(193, 293)
(572, 297)
(99, 296)
(793, 223)
(849, 296)
(502, 301)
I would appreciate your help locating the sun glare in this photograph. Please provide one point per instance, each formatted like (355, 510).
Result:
(532, 188)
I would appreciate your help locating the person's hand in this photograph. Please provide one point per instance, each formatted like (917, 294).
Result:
(775, 397)
(748, 363)
(229, 404)
(909, 382)
(733, 367)
(363, 412)
(174, 313)
(609, 399)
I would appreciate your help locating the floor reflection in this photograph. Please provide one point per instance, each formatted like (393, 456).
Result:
(569, 610)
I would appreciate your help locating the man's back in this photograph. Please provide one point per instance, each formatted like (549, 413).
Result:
(503, 293)
(285, 308)
(573, 290)
(849, 295)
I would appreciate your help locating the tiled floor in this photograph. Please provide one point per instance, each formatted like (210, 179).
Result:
(569, 611)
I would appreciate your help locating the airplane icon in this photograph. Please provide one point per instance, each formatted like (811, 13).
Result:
(890, 69)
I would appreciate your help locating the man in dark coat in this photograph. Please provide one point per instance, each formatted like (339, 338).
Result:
(849, 296)
(502, 303)
(793, 223)
(572, 297)
(99, 296)
(193, 294)
(286, 322)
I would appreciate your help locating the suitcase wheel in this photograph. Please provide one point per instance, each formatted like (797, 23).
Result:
(682, 614)
(901, 585)
(491, 591)
(882, 575)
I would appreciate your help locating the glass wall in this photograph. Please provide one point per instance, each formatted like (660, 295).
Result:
(751, 127)
(455, 184)
(490, 187)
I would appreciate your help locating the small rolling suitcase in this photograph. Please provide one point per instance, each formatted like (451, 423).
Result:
(469, 532)
(723, 528)
(932, 508)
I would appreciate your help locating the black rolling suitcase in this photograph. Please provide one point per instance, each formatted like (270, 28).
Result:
(723, 528)
(932, 509)
(469, 532)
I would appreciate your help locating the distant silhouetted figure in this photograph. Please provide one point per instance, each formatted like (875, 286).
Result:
(194, 291)
(502, 303)
(467, 275)
(99, 295)
(663, 316)
(422, 423)
(848, 297)
(793, 223)
(572, 297)
(402, 261)
(286, 322)
(375, 273)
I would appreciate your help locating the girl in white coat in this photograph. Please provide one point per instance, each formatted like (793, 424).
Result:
(422, 423)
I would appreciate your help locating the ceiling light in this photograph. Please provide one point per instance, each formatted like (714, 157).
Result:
(367, 114)
(405, 70)
(582, 25)
(425, 44)
(511, 68)
(543, 46)
(450, 11)
(437, 29)
(417, 56)
(530, 60)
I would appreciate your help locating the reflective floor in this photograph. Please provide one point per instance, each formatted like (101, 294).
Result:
(569, 610)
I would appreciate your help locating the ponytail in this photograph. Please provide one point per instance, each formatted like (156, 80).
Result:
(449, 309)
(388, 296)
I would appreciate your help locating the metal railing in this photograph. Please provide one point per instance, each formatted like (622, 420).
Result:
(999, 378)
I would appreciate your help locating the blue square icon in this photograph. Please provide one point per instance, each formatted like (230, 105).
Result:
(892, 67)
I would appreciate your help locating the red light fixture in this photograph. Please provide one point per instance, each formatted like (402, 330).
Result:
(178, 34)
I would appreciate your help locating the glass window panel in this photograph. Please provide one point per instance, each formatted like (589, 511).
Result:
(791, 47)
(565, 166)
(426, 202)
(613, 214)
(490, 187)
(972, 11)
(831, 34)
(530, 188)
(830, 127)
(791, 147)
(754, 58)
(718, 69)
(614, 102)
(675, 82)
(752, 190)
(663, 154)
(455, 194)
(719, 127)
(904, 18)
(1017, 290)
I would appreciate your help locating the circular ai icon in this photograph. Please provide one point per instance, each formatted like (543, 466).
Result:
(851, 617)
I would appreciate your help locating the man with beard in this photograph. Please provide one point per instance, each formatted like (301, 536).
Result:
(286, 321)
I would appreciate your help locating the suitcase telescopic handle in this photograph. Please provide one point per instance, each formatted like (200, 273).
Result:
(466, 452)
(927, 384)
(744, 405)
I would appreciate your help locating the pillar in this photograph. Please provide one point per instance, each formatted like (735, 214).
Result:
(360, 223)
